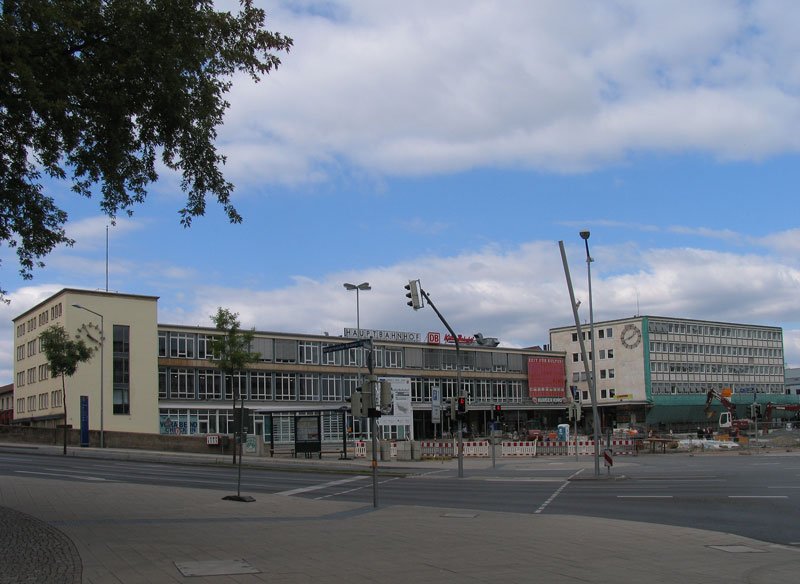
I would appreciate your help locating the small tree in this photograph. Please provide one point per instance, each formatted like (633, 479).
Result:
(231, 349)
(63, 355)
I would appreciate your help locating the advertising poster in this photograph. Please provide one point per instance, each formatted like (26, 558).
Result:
(546, 380)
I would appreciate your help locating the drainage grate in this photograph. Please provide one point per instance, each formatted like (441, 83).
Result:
(737, 549)
(216, 568)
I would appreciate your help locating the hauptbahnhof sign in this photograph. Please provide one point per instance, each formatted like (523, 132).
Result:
(378, 335)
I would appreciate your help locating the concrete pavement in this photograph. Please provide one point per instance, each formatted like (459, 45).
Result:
(125, 533)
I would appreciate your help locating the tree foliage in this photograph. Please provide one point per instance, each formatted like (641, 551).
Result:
(63, 353)
(96, 92)
(231, 347)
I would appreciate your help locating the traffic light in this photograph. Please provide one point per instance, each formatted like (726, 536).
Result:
(461, 408)
(386, 397)
(753, 410)
(413, 295)
(356, 404)
(578, 411)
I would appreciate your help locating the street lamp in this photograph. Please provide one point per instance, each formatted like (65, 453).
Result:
(102, 377)
(358, 288)
(593, 381)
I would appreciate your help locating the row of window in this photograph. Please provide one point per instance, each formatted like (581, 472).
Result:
(713, 331)
(728, 369)
(44, 401)
(207, 384)
(602, 333)
(43, 318)
(199, 346)
(727, 350)
(30, 376)
(604, 374)
(610, 393)
(601, 354)
(702, 388)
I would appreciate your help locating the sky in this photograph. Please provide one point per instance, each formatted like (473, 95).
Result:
(457, 142)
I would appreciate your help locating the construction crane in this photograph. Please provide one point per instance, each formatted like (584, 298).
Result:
(782, 407)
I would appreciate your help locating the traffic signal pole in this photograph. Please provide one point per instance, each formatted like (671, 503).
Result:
(458, 377)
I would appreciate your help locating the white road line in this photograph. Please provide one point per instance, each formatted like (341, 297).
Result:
(320, 486)
(353, 490)
(644, 496)
(758, 496)
(60, 474)
(554, 495)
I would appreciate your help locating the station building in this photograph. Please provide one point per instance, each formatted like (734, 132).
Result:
(146, 377)
(656, 371)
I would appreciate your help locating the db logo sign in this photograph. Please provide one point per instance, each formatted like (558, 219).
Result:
(434, 338)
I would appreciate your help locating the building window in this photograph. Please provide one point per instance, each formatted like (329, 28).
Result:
(32, 403)
(393, 358)
(181, 345)
(603, 394)
(349, 385)
(260, 385)
(163, 384)
(308, 387)
(309, 353)
(55, 398)
(32, 375)
(574, 337)
(611, 374)
(285, 386)
(332, 358)
(21, 405)
(121, 369)
(205, 347)
(236, 385)
(182, 384)
(610, 353)
(209, 384)
(609, 333)
(602, 374)
(162, 344)
(43, 401)
(331, 388)
(575, 357)
(20, 379)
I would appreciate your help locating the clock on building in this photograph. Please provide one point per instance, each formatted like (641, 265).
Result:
(631, 336)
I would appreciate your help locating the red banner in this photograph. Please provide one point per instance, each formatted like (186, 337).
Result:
(546, 380)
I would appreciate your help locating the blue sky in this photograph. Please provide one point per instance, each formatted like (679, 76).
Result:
(457, 143)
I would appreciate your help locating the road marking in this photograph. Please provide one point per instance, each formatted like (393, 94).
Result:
(758, 496)
(783, 487)
(353, 490)
(523, 480)
(558, 490)
(321, 486)
(54, 474)
(644, 496)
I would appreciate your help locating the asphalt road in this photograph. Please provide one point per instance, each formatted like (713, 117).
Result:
(755, 496)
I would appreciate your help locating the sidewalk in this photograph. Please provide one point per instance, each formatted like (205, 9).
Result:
(131, 534)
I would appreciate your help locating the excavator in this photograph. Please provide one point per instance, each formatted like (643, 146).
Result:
(727, 419)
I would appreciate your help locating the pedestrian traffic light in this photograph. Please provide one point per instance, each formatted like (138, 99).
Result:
(413, 295)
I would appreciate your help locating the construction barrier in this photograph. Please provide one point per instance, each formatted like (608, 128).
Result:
(482, 448)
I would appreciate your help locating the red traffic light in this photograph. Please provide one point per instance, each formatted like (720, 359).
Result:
(498, 408)
(462, 404)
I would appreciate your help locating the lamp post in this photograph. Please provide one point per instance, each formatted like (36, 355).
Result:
(102, 376)
(593, 381)
(358, 288)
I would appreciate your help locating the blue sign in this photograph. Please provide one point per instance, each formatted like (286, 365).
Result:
(84, 420)
(745, 390)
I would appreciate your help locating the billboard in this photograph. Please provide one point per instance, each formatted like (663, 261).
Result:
(546, 380)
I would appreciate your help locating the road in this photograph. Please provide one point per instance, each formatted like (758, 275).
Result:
(756, 496)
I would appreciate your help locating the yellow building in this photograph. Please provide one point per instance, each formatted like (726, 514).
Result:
(121, 378)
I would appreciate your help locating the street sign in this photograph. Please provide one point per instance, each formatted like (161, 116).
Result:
(607, 456)
(344, 346)
(745, 390)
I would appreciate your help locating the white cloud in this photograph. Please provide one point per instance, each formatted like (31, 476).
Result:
(515, 293)
(418, 88)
